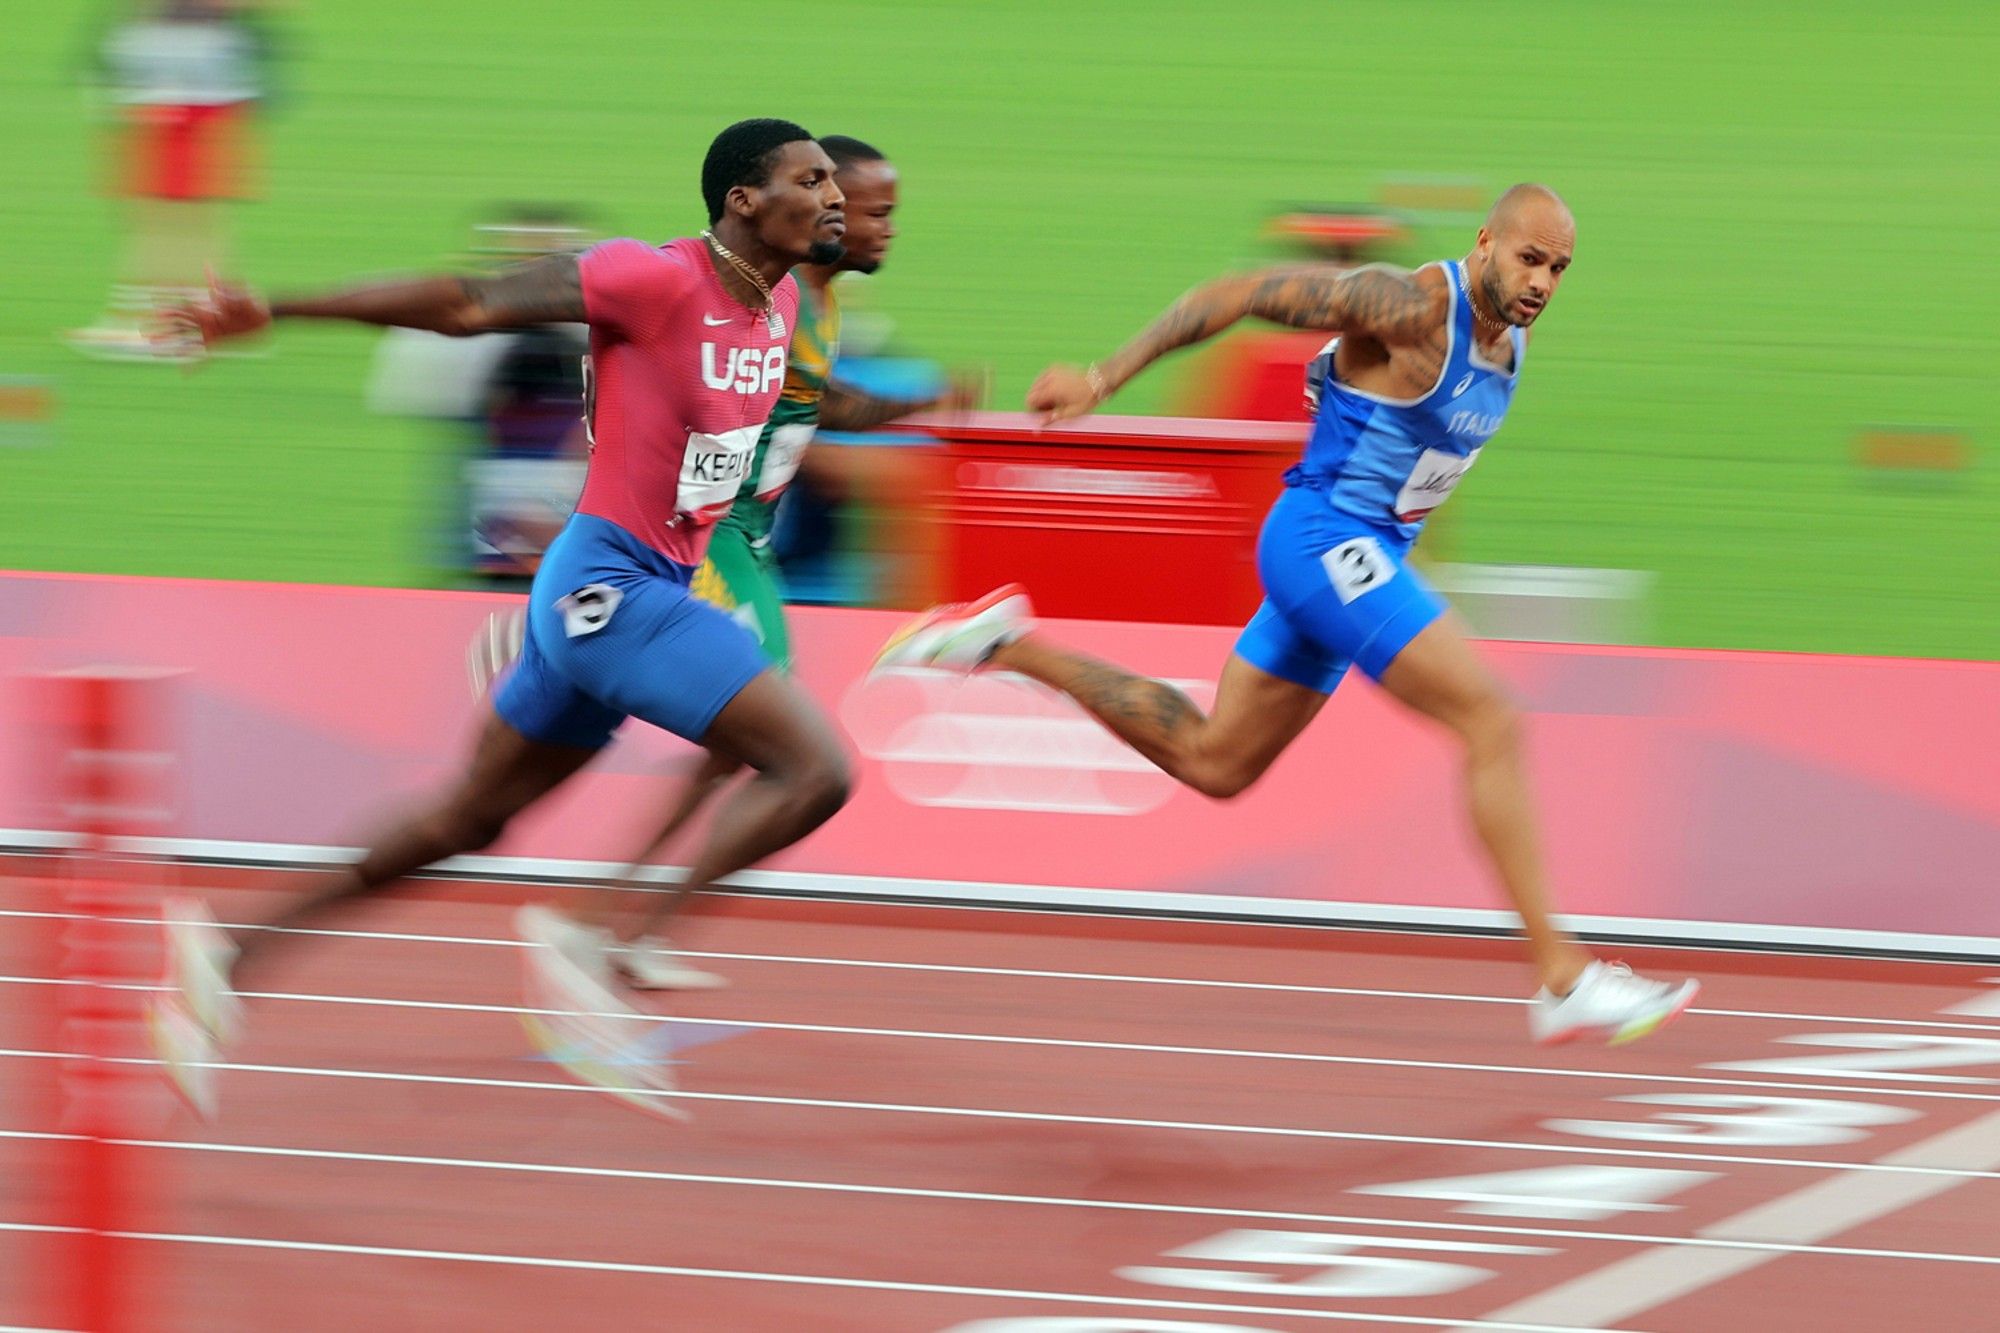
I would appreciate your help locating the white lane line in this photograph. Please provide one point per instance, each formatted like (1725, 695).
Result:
(804, 960)
(1075, 1043)
(1825, 1208)
(979, 1196)
(1041, 1117)
(800, 1279)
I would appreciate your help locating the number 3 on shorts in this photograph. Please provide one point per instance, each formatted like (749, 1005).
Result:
(588, 609)
(1357, 566)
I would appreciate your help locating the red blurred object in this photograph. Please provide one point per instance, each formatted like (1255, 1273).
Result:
(1253, 377)
(1110, 518)
(101, 740)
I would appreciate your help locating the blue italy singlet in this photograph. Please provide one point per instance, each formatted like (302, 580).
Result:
(1338, 589)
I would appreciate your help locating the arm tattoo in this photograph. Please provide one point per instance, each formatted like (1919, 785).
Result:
(542, 291)
(844, 408)
(1382, 302)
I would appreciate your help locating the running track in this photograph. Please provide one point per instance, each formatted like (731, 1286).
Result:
(955, 1121)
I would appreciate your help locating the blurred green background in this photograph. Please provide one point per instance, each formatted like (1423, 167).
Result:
(1788, 218)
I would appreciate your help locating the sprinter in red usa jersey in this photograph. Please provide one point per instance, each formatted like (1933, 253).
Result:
(687, 358)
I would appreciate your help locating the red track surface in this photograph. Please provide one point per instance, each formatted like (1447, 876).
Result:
(1403, 1058)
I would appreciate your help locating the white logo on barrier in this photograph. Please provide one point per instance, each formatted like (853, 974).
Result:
(1357, 566)
(589, 609)
(999, 741)
(1051, 479)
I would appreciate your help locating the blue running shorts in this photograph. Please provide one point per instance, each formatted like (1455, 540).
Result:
(614, 632)
(1337, 592)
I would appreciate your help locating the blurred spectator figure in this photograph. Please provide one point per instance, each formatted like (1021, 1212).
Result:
(182, 80)
(1257, 376)
(516, 404)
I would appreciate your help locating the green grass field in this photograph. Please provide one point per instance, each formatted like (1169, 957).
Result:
(1788, 218)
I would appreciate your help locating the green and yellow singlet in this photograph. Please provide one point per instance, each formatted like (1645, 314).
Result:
(808, 366)
(740, 574)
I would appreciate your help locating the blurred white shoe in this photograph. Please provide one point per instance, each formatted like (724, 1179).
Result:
(187, 1052)
(587, 947)
(576, 1021)
(962, 635)
(199, 959)
(1609, 1000)
(651, 963)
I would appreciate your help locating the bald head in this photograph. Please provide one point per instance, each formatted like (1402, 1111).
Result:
(1522, 253)
(1532, 207)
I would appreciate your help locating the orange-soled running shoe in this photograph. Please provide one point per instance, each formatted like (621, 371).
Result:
(962, 635)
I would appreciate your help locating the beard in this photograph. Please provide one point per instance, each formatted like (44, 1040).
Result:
(825, 252)
(1496, 300)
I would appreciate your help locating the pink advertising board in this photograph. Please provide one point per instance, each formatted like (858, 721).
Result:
(1754, 797)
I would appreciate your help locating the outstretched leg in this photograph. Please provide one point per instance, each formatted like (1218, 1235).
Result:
(602, 906)
(1218, 754)
(508, 773)
(1439, 675)
(801, 779)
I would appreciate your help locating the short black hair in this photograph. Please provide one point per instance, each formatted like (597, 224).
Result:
(743, 154)
(845, 150)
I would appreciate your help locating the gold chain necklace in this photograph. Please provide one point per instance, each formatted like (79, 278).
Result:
(731, 258)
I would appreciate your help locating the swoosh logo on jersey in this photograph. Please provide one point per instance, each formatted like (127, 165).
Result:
(1462, 385)
(713, 322)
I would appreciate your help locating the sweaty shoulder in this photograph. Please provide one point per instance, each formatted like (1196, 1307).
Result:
(630, 286)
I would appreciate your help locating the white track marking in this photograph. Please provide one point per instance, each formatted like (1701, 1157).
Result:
(978, 1196)
(800, 1279)
(950, 895)
(1825, 1208)
(1145, 1048)
(1043, 974)
(1041, 1117)
(1986, 1005)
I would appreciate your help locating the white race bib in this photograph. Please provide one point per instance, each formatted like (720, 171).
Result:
(713, 469)
(782, 459)
(1431, 482)
(1357, 566)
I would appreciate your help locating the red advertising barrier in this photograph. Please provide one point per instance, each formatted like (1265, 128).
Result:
(1109, 518)
(1695, 795)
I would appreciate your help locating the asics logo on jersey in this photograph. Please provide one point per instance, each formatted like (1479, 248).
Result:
(1480, 424)
(744, 369)
(1462, 385)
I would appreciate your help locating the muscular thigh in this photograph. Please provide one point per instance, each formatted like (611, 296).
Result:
(1258, 714)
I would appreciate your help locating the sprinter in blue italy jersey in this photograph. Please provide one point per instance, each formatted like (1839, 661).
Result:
(1418, 378)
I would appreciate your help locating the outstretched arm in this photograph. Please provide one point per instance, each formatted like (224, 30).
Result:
(1378, 301)
(541, 291)
(844, 407)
